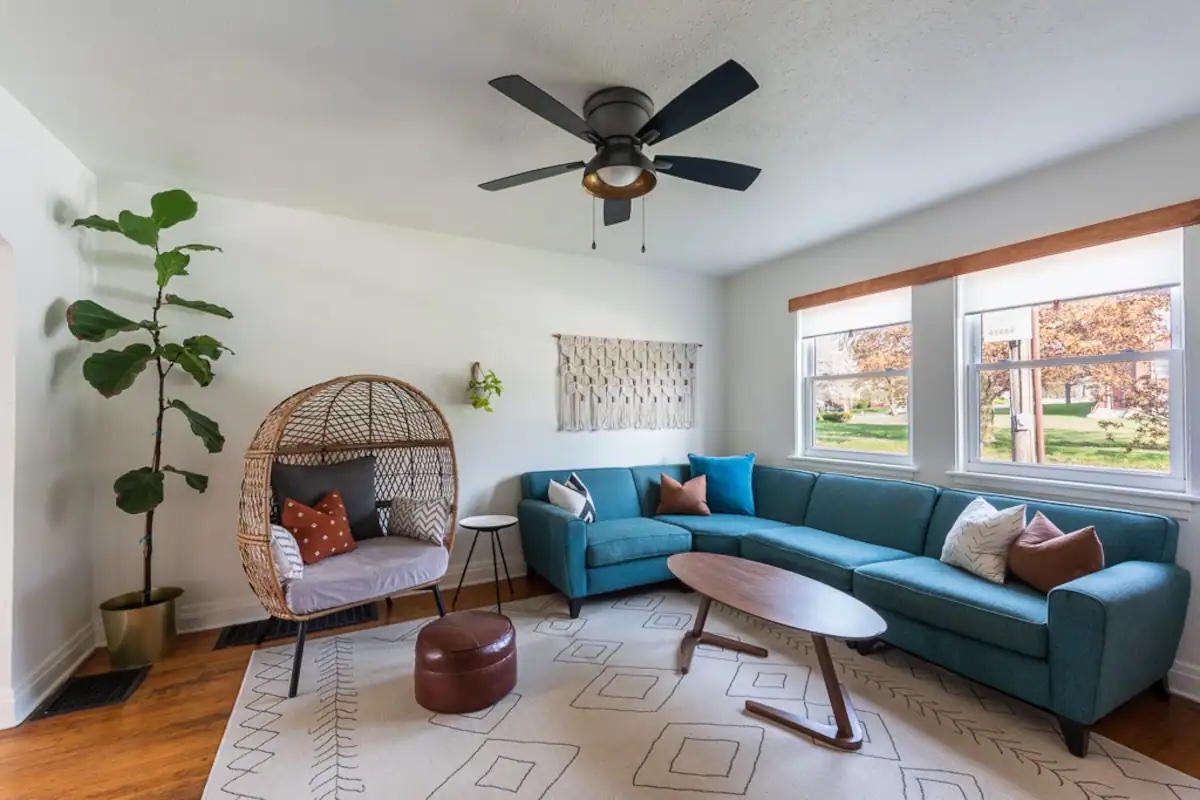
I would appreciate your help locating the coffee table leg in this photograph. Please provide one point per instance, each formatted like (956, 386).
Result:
(845, 734)
(697, 635)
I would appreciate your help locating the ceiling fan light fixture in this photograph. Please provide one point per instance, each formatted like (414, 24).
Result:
(619, 172)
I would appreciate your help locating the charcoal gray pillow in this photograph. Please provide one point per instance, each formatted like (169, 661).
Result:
(355, 480)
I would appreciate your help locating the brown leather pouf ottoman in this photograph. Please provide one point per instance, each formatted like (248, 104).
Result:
(465, 662)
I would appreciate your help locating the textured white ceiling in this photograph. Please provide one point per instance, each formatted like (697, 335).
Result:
(381, 110)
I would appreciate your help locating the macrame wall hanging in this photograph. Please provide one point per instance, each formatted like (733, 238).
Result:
(611, 384)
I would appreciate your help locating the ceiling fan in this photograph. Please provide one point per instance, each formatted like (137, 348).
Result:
(620, 122)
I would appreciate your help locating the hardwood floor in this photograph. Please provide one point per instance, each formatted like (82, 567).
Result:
(160, 744)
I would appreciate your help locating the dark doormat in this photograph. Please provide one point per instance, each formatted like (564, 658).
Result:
(247, 632)
(92, 691)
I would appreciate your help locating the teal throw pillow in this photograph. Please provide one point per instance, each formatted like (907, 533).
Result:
(730, 482)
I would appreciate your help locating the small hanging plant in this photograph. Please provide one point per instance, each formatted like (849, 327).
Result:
(482, 387)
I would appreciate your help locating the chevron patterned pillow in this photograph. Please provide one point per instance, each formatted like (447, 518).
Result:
(980, 538)
(427, 520)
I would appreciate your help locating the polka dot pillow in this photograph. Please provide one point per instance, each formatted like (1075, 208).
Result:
(319, 532)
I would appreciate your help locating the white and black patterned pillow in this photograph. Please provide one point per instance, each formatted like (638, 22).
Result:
(573, 496)
(416, 518)
(288, 563)
(979, 539)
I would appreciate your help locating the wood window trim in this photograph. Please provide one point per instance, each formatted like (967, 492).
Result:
(1180, 215)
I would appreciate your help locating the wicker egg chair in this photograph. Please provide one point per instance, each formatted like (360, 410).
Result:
(343, 419)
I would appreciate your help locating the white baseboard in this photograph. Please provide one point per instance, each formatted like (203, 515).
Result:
(54, 669)
(1184, 679)
(194, 617)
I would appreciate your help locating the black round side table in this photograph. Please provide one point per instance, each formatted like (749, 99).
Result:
(493, 524)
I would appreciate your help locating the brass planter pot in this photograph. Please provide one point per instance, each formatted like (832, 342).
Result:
(139, 634)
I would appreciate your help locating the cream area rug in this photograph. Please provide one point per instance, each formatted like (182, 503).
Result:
(600, 711)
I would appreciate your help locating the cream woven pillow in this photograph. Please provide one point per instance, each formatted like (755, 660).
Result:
(427, 520)
(979, 539)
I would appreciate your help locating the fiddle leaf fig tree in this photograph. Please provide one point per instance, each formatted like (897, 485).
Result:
(110, 372)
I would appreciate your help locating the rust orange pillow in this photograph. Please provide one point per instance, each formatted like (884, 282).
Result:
(683, 498)
(320, 532)
(1045, 557)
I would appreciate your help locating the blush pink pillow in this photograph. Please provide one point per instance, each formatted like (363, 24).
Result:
(1045, 557)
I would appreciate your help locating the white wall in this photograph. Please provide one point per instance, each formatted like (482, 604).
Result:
(45, 493)
(316, 296)
(1148, 172)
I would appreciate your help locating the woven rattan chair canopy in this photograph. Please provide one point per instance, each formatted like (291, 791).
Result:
(339, 420)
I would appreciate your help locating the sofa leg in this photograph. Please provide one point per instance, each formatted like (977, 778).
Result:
(1077, 736)
(575, 605)
(437, 598)
(1162, 689)
(866, 647)
(298, 658)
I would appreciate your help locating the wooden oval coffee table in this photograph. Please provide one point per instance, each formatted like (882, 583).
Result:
(787, 599)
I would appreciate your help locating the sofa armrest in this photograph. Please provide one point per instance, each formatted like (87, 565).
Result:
(555, 543)
(1112, 634)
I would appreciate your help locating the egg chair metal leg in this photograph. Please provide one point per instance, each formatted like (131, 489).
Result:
(298, 658)
(437, 598)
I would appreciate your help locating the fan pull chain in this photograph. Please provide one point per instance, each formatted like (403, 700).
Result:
(593, 222)
(643, 223)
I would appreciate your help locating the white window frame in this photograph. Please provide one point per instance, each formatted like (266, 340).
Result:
(970, 445)
(807, 417)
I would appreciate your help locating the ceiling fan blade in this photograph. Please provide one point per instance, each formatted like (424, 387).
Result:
(530, 176)
(708, 96)
(522, 91)
(616, 211)
(710, 171)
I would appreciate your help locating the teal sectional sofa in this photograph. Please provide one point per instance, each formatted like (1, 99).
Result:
(1079, 652)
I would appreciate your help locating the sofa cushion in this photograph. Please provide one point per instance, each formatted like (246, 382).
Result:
(612, 489)
(826, 556)
(886, 513)
(719, 533)
(379, 567)
(782, 494)
(1126, 535)
(616, 541)
(1008, 615)
(647, 481)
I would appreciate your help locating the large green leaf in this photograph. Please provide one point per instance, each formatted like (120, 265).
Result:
(172, 206)
(199, 247)
(142, 230)
(198, 305)
(206, 346)
(194, 479)
(97, 223)
(169, 264)
(113, 371)
(192, 362)
(139, 490)
(208, 430)
(92, 322)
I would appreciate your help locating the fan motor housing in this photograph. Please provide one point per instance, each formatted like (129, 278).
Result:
(618, 111)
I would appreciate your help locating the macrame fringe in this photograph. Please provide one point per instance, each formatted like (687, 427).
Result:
(615, 384)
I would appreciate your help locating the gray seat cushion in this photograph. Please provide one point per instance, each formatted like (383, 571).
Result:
(379, 567)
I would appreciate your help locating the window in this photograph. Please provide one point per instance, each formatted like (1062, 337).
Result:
(1074, 365)
(855, 360)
